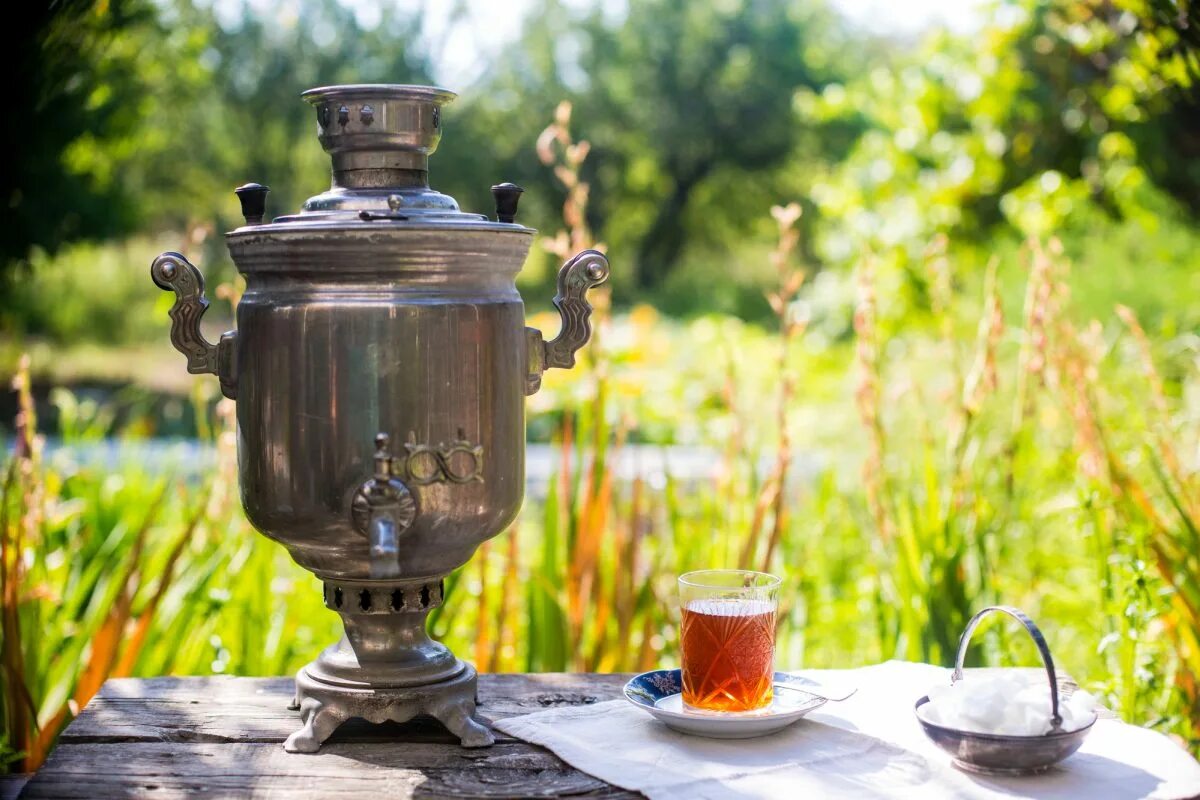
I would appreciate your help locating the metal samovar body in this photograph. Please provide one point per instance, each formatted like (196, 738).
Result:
(380, 365)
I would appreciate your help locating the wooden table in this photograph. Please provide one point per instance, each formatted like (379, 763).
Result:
(222, 737)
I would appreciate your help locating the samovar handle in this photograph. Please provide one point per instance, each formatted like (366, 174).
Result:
(173, 272)
(585, 271)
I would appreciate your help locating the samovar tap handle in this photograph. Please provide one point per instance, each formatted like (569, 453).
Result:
(173, 272)
(585, 271)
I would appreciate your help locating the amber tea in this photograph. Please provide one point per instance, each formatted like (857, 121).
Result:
(727, 639)
(728, 654)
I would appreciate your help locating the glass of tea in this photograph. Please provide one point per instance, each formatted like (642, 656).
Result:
(728, 638)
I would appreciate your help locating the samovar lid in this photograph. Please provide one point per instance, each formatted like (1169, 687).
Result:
(380, 137)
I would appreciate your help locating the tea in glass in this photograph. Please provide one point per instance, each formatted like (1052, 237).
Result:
(728, 639)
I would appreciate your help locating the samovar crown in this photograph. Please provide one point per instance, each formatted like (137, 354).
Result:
(379, 135)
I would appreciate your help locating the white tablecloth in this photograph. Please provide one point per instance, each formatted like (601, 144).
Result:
(868, 746)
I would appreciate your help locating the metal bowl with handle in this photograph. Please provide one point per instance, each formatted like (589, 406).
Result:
(999, 754)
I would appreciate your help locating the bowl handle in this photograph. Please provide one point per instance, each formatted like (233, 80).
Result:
(1038, 639)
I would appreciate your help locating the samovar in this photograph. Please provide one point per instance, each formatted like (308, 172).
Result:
(380, 365)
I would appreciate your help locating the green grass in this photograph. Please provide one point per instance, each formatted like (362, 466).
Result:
(1035, 459)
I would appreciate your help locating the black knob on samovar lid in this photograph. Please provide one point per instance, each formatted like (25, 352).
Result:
(507, 195)
(253, 197)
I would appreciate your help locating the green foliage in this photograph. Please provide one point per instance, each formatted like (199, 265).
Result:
(153, 113)
(249, 123)
(1053, 116)
(693, 102)
(111, 572)
(68, 97)
(1057, 118)
(88, 293)
(1039, 467)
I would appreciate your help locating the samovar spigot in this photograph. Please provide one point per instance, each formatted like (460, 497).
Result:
(384, 509)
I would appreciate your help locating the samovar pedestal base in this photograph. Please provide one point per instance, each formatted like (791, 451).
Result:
(385, 667)
(323, 707)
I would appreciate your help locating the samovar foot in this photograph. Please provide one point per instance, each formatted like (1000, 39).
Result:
(324, 705)
(458, 715)
(320, 721)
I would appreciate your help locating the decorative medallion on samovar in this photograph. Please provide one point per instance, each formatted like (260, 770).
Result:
(380, 365)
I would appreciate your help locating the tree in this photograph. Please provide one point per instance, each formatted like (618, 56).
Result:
(1051, 109)
(251, 124)
(683, 91)
(71, 89)
(131, 115)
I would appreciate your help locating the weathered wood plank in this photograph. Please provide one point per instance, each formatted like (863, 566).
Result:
(225, 709)
(220, 737)
(402, 770)
(10, 785)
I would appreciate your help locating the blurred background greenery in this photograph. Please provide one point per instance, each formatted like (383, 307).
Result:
(956, 364)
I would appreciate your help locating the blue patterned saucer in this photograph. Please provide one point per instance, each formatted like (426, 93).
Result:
(659, 693)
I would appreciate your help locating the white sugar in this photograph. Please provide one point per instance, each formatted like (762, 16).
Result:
(1008, 702)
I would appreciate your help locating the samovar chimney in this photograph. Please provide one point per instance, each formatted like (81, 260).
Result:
(379, 136)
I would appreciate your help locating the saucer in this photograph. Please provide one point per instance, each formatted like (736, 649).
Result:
(659, 694)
